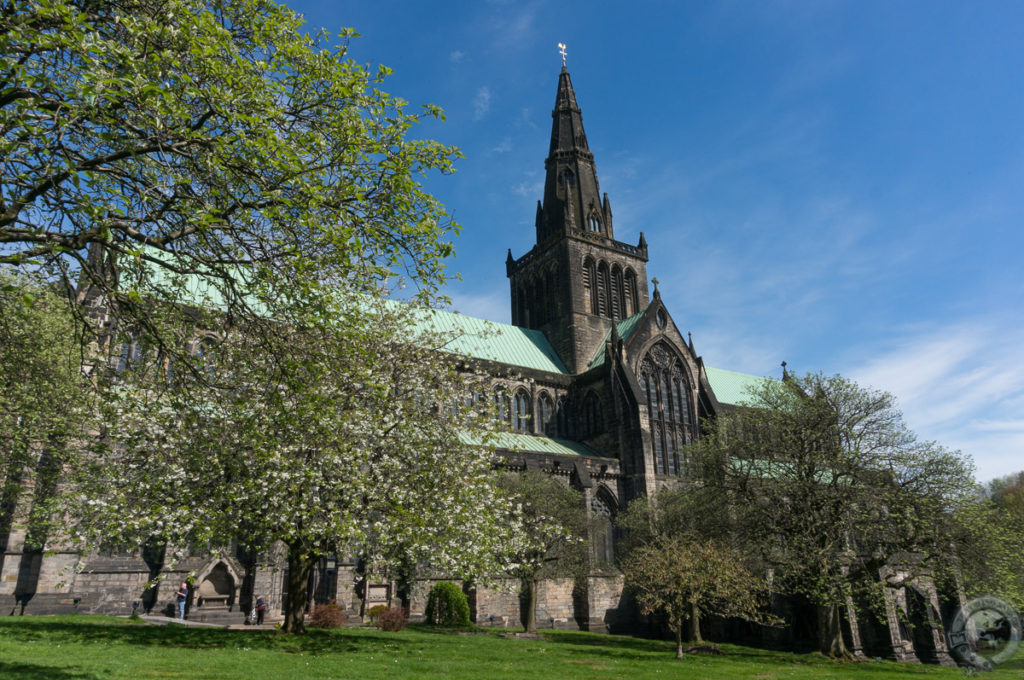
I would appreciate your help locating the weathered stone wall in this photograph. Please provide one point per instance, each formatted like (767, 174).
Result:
(607, 608)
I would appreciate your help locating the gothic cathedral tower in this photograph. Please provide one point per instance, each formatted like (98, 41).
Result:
(577, 280)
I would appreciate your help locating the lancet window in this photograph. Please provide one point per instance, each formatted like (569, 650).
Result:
(602, 513)
(610, 292)
(521, 411)
(546, 415)
(592, 423)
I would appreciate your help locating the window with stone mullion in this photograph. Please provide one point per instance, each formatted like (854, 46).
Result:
(669, 414)
(521, 412)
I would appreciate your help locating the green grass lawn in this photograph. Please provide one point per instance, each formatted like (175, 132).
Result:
(87, 647)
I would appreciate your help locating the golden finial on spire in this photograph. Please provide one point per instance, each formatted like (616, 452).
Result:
(561, 50)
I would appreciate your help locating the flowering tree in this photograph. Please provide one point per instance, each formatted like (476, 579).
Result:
(44, 401)
(340, 438)
(549, 525)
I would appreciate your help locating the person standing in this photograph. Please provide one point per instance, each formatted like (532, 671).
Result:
(261, 608)
(182, 596)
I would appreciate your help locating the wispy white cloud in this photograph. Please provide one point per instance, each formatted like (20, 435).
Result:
(482, 102)
(513, 26)
(531, 187)
(503, 146)
(525, 118)
(962, 385)
(455, 56)
(492, 305)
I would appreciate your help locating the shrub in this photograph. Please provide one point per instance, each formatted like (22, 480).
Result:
(447, 605)
(376, 610)
(328, 616)
(391, 620)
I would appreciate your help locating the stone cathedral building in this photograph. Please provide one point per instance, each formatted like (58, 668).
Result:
(598, 386)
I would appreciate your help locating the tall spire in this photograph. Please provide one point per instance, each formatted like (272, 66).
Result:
(572, 196)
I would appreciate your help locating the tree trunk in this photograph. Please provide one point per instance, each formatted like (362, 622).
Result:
(528, 605)
(679, 637)
(695, 623)
(406, 577)
(300, 565)
(830, 632)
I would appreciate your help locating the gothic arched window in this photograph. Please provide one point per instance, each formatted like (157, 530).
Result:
(666, 389)
(561, 420)
(546, 414)
(594, 222)
(502, 406)
(618, 300)
(590, 284)
(632, 304)
(602, 289)
(521, 411)
(602, 511)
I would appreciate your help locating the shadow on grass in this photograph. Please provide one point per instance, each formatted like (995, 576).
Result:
(620, 646)
(28, 671)
(102, 630)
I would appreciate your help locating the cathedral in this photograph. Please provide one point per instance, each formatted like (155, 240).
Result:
(597, 386)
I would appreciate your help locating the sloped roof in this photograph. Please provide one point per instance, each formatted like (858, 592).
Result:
(528, 443)
(491, 341)
(624, 328)
(731, 387)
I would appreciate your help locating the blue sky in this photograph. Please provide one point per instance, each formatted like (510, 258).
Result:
(835, 184)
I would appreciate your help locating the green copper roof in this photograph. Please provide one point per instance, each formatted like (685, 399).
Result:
(624, 328)
(514, 441)
(500, 342)
(731, 387)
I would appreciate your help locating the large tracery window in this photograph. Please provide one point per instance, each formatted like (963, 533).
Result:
(666, 389)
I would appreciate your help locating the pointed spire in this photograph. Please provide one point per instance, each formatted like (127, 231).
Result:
(572, 196)
(690, 336)
(785, 374)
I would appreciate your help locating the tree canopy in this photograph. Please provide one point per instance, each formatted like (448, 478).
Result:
(685, 559)
(548, 525)
(830, 485)
(147, 145)
(337, 440)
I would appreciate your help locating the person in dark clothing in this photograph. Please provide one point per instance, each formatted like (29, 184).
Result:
(261, 609)
(182, 597)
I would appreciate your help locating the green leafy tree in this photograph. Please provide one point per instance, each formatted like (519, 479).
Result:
(45, 402)
(824, 477)
(153, 150)
(1008, 493)
(695, 515)
(989, 540)
(687, 578)
(336, 440)
(548, 524)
